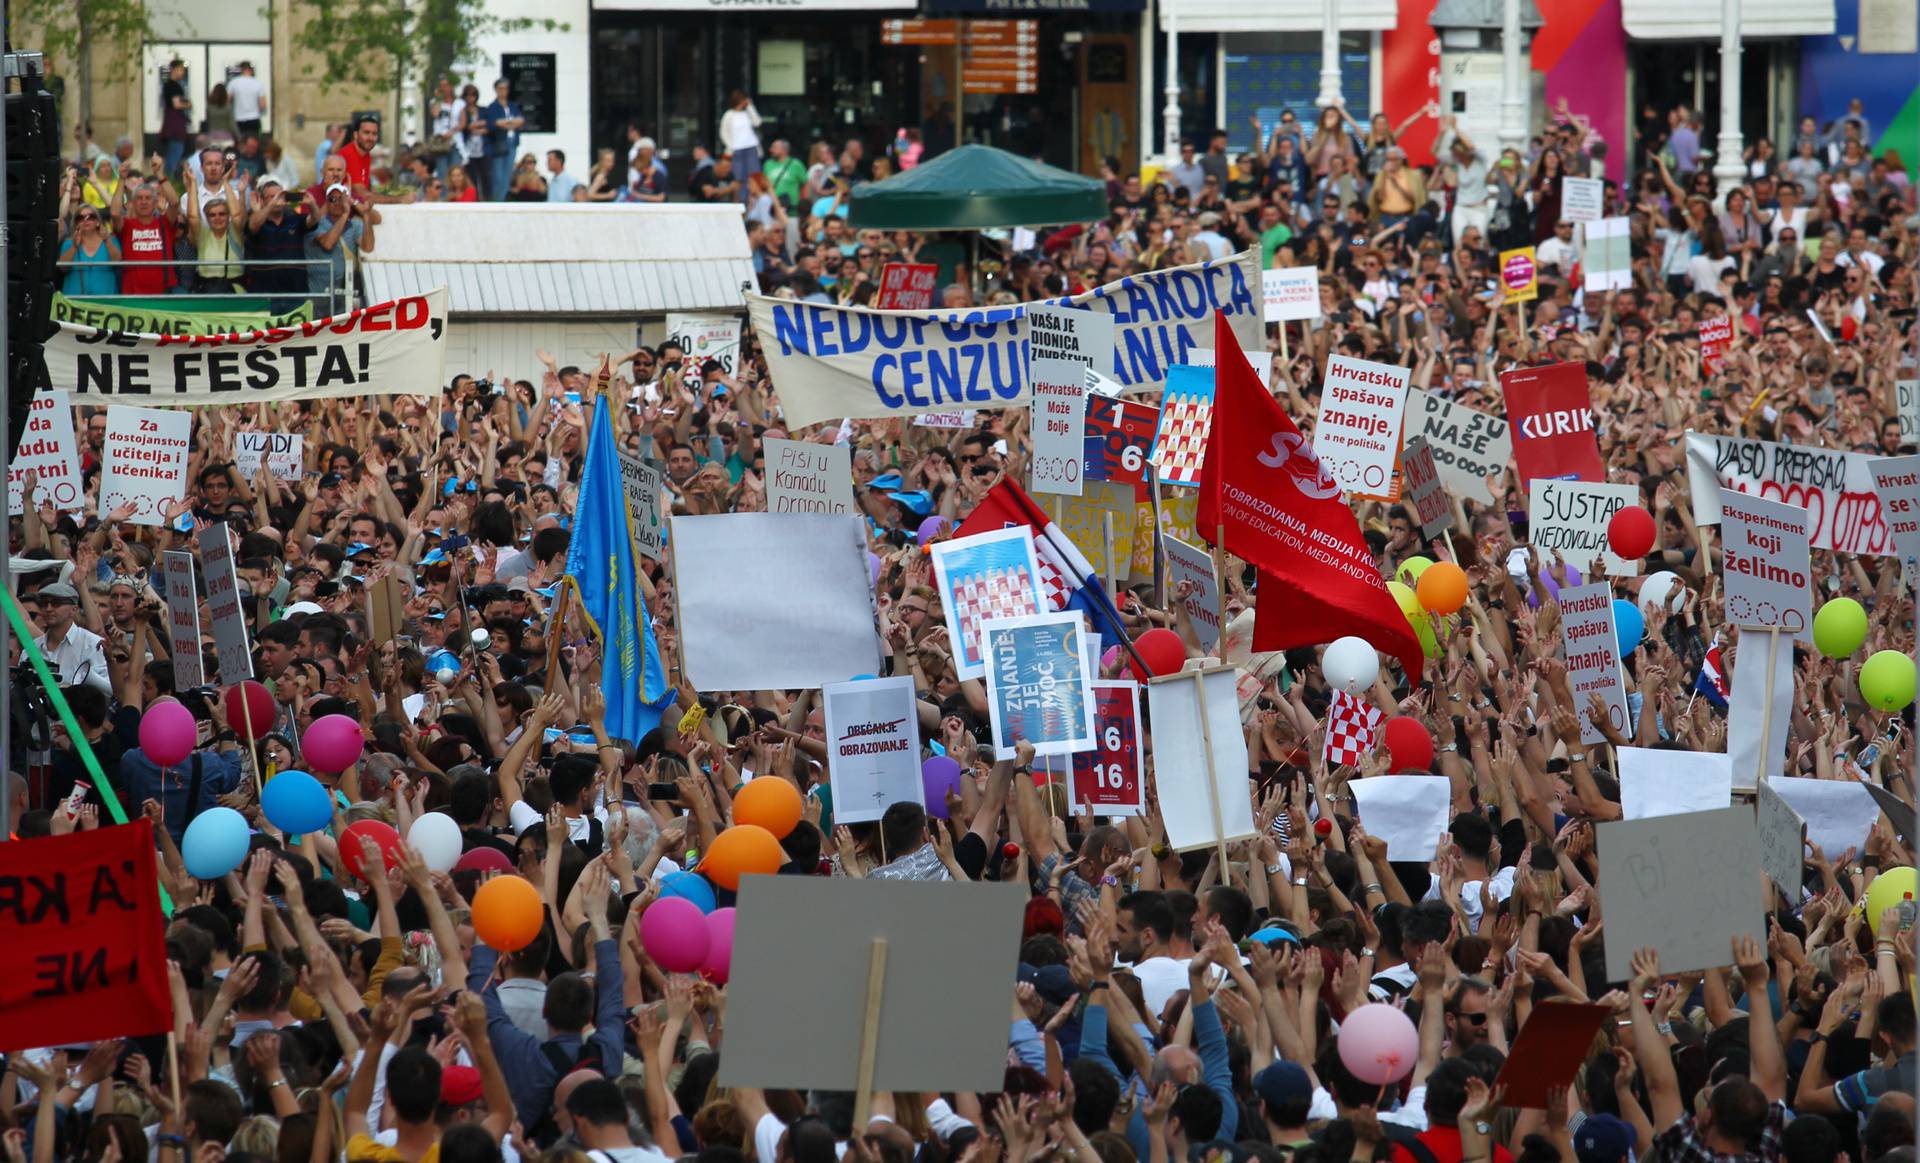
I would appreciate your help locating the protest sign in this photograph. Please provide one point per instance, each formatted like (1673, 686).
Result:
(1468, 445)
(1174, 516)
(84, 926)
(705, 337)
(1099, 384)
(284, 454)
(230, 642)
(1769, 566)
(385, 349)
(144, 317)
(1582, 199)
(1059, 426)
(1896, 482)
(1820, 326)
(1106, 779)
(1200, 759)
(1519, 276)
(1192, 563)
(1259, 357)
(1716, 336)
(804, 477)
(803, 619)
(1760, 707)
(1838, 812)
(831, 362)
(987, 575)
(961, 421)
(1119, 438)
(1425, 495)
(1899, 812)
(936, 991)
(48, 450)
(1071, 334)
(1039, 683)
(1907, 399)
(873, 746)
(1593, 656)
(907, 286)
(1552, 418)
(1186, 416)
(1672, 783)
(183, 620)
(1835, 488)
(1409, 812)
(1571, 517)
(1362, 408)
(1685, 885)
(1783, 841)
(643, 485)
(1291, 293)
(144, 457)
(1084, 520)
(1550, 1049)
(1606, 259)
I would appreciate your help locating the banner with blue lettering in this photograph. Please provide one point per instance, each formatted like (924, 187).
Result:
(832, 363)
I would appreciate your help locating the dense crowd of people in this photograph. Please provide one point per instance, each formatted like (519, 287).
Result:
(1166, 1007)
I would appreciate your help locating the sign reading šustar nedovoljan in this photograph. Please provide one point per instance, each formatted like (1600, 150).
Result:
(386, 349)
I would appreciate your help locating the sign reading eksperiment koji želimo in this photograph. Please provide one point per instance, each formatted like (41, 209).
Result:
(385, 349)
(1769, 568)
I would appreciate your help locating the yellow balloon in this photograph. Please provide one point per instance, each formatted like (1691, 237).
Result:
(1417, 617)
(1887, 890)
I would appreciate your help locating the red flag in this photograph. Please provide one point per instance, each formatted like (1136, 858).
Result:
(85, 957)
(1551, 418)
(1278, 507)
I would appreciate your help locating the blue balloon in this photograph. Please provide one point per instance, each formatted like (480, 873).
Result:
(690, 886)
(296, 803)
(1628, 624)
(215, 843)
(862, 677)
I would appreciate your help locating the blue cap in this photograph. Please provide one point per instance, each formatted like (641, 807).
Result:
(886, 481)
(434, 557)
(1282, 1083)
(1275, 935)
(919, 503)
(359, 547)
(441, 660)
(1604, 1139)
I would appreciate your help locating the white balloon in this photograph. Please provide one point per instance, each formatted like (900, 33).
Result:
(438, 840)
(446, 675)
(1654, 590)
(1350, 664)
(481, 638)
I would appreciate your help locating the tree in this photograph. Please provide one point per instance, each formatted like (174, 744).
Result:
(66, 30)
(379, 44)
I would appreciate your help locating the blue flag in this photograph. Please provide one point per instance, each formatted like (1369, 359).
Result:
(603, 569)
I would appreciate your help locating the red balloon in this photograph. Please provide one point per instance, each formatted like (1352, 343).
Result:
(1630, 532)
(249, 704)
(381, 833)
(1323, 827)
(483, 859)
(1409, 744)
(1163, 652)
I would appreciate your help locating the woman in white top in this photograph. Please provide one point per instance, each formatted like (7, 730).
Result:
(1704, 269)
(738, 136)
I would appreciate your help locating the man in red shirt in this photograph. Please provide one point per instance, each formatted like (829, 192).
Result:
(358, 154)
(146, 231)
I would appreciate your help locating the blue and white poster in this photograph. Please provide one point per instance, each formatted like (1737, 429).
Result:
(988, 575)
(1040, 684)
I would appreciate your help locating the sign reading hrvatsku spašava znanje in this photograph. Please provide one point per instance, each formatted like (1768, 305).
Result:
(830, 362)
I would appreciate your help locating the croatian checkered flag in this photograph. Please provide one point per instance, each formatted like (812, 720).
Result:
(1353, 728)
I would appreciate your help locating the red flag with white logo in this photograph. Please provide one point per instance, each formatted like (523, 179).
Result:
(1266, 495)
(1551, 418)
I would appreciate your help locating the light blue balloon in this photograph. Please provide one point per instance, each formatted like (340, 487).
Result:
(215, 843)
(1628, 624)
(296, 803)
(690, 886)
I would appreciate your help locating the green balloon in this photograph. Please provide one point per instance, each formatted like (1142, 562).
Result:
(1887, 680)
(1840, 627)
(1418, 618)
(1411, 569)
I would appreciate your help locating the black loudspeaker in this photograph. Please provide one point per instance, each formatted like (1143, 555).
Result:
(33, 244)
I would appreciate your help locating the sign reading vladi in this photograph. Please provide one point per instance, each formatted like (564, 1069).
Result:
(386, 349)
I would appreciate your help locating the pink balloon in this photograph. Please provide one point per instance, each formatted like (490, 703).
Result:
(673, 931)
(718, 966)
(1378, 1044)
(332, 744)
(167, 733)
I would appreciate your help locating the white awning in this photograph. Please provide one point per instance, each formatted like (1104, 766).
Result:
(520, 259)
(1665, 20)
(1276, 15)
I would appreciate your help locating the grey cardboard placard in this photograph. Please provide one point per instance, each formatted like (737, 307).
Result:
(797, 996)
(1899, 812)
(1783, 841)
(1685, 885)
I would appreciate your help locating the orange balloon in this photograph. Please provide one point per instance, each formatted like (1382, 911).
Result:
(742, 850)
(770, 802)
(1442, 588)
(507, 913)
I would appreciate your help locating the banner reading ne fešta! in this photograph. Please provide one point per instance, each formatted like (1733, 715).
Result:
(84, 959)
(386, 349)
(832, 363)
(145, 318)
